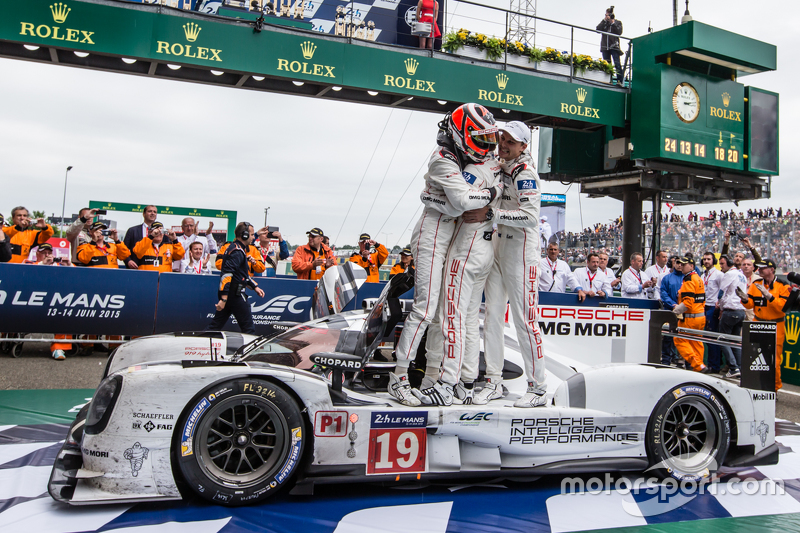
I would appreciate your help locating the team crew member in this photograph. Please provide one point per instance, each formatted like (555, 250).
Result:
(691, 301)
(234, 280)
(370, 262)
(513, 278)
(256, 266)
(137, 233)
(555, 274)
(467, 266)
(731, 311)
(78, 231)
(44, 256)
(658, 271)
(591, 279)
(670, 285)
(607, 272)
(712, 277)
(633, 284)
(196, 264)
(154, 252)
(767, 298)
(5, 247)
(405, 264)
(99, 253)
(466, 135)
(311, 260)
(189, 228)
(24, 235)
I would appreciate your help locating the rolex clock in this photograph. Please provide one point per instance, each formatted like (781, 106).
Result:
(686, 102)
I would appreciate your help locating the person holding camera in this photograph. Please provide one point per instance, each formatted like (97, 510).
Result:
(234, 280)
(739, 256)
(157, 251)
(78, 231)
(25, 234)
(368, 260)
(137, 233)
(5, 246)
(100, 253)
(609, 44)
(265, 235)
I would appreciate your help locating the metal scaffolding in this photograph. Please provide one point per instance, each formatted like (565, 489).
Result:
(522, 27)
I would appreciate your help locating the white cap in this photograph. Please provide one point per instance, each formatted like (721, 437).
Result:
(543, 217)
(518, 130)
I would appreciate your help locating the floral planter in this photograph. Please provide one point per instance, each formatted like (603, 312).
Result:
(473, 52)
(594, 75)
(519, 61)
(554, 68)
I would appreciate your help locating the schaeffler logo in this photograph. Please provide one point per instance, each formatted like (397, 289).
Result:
(60, 12)
(411, 66)
(308, 49)
(668, 494)
(192, 31)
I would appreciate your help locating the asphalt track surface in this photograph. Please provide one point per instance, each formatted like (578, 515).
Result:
(36, 369)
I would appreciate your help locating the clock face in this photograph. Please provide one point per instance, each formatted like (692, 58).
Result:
(686, 102)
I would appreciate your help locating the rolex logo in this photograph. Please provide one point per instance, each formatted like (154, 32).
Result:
(726, 99)
(792, 328)
(411, 66)
(60, 12)
(581, 95)
(192, 31)
(308, 49)
(502, 81)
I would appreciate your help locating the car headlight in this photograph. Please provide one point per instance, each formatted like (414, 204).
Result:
(102, 405)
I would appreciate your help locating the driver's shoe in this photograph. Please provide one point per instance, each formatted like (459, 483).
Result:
(463, 391)
(440, 394)
(401, 390)
(491, 391)
(533, 397)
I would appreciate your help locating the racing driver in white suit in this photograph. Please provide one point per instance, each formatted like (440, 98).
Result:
(466, 135)
(513, 277)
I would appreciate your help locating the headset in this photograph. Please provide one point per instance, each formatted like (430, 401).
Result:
(727, 259)
(713, 257)
(244, 233)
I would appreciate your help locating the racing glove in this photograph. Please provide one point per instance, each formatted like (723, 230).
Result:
(679, 309)
(495, 191)
(742, 295)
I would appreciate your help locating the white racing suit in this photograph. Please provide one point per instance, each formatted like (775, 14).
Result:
(513, 276)
(446, 196)
(468, 263)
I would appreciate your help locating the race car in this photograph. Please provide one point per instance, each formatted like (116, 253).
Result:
(237, 426)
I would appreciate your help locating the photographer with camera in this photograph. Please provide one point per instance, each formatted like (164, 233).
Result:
(738, 256)
(25, 234)
(767, 297)
(369, 260)
(137, 233)
(78, 231)
(609, 44)
(5, 246)
(100, 253)
(157, 251)
(265, 235)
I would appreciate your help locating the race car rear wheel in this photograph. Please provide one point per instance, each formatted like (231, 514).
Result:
(240, 441)
(688, 433)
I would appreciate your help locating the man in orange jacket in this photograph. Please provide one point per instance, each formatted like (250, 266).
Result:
(371, 262)
(406, 263)
(157, 253)
(99, 253)
(691, 306)
(311, 260)
(24, 235)
(766, 297)
(44, 256)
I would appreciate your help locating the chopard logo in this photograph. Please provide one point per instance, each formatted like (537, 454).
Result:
(308, 49)
(191, 31)
(60, 12)
(500, 97)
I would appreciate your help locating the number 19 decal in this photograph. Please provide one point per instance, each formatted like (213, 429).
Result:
(396, 450)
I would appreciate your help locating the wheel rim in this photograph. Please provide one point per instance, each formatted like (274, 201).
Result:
(242, 440)
(689, 435)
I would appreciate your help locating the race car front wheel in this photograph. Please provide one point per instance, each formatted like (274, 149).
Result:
(688, 433)
(240, 441)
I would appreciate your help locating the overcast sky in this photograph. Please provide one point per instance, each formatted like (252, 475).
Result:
(133, 139)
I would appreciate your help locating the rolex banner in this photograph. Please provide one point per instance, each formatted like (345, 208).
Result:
(790, 370)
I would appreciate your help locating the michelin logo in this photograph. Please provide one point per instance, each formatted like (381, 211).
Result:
(281, 303)
(760, 364)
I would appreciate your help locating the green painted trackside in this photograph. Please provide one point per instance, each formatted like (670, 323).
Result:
(52, 406)
(750, 524)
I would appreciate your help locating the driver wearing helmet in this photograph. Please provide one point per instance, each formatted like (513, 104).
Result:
(467, 135)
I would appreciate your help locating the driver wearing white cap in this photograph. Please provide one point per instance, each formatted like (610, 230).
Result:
(514, 273)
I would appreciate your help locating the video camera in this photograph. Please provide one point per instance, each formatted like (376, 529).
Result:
(793, 301)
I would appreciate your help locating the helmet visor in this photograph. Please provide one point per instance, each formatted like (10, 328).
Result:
(486, 139)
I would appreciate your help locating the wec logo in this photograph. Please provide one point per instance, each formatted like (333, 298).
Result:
(279, 304)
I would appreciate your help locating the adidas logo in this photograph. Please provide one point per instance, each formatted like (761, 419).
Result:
(760, 363)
